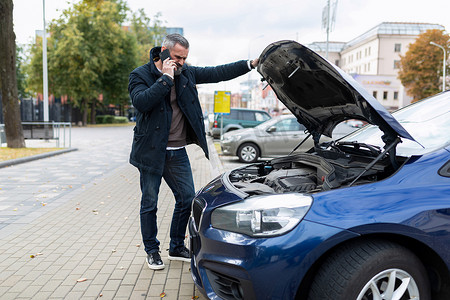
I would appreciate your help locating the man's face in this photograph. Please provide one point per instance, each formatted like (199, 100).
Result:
(179, 54)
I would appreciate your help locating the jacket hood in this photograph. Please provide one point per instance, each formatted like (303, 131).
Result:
(320, 94)
(154, 53)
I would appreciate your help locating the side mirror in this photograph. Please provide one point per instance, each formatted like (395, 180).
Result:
(271, 129)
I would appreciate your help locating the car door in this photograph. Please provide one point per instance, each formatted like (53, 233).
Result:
(283, 136)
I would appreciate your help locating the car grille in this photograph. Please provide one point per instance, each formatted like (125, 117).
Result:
(225, 287)
(197, 210)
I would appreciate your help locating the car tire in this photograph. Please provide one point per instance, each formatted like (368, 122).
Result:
(359, 271)
(248, 153)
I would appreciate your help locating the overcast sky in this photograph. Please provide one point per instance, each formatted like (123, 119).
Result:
(229, 30)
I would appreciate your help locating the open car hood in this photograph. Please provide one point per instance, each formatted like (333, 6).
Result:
(320, 94)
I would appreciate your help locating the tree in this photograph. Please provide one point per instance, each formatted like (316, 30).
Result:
(421, 67)
(34, 70)
(88, 42)
(147, 35)
(21, 74)
(139, 39)
(10, 99)
(115, 80)
(89, 54)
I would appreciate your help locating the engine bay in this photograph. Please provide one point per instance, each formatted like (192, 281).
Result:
(321, 170)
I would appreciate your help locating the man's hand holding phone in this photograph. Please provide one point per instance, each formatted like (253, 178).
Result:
(168, 65)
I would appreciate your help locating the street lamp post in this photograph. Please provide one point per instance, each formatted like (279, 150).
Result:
(44, 66)
(443, 62)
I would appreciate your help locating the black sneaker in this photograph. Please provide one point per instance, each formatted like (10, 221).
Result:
(154, 261)
(182, 255)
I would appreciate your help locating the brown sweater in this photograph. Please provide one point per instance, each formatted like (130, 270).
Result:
(177, 134)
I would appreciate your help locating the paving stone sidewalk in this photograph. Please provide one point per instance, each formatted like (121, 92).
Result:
(89, 246)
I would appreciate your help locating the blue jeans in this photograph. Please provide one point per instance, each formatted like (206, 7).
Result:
(178, 176)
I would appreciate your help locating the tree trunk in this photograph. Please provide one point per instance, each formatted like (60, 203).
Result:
(10, 99)
(93, 104)
(84, 110)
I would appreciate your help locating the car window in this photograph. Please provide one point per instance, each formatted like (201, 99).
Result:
(247, 116)
(301, 126)
(288, 125)
(234, 114)
(261, 117)
(428, 122)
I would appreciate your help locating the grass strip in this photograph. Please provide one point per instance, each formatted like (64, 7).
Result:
(14, 153)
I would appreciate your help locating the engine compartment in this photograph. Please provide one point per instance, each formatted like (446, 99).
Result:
(312, 172)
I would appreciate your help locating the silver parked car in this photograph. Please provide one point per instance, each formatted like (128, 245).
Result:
(275, 137)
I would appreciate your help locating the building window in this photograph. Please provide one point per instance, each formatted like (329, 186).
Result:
(374, 93)
(395, 95)
(369, 51)
(398, 47)
(336, 62)
(396, 64)
(368, 67)
(385, 95)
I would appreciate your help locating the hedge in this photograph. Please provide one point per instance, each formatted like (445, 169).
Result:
(108, 119)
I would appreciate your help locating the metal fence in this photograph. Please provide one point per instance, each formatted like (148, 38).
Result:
(61, 132)
(32, 110)
(2, 135)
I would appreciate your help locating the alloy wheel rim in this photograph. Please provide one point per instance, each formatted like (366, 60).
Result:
(391, 284)
(248, 153)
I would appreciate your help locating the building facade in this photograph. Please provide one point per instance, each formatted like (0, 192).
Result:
(373, 59)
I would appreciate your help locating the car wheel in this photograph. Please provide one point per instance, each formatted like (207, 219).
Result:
(248, 153)
(371, 270)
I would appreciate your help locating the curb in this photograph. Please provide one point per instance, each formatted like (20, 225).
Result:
(22, 160)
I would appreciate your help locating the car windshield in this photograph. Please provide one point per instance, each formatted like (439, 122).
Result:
(428, 122)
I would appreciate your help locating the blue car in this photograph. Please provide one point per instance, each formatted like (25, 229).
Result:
(363, 217)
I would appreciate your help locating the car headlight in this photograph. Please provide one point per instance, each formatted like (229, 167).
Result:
(231, 138)
(262, 216)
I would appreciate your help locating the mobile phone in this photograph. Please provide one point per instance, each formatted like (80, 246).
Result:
(164, 55)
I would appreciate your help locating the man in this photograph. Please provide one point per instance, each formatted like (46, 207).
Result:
(168, 118)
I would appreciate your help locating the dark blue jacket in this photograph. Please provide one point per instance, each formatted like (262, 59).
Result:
(150, 95)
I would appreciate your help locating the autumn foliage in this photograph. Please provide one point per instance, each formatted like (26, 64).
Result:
(421, 67)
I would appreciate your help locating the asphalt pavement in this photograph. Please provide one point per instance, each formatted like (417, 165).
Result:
(69, 224)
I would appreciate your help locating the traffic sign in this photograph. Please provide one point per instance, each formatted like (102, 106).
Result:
(222, 102)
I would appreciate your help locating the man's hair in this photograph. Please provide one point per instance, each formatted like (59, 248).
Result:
(172, 39)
